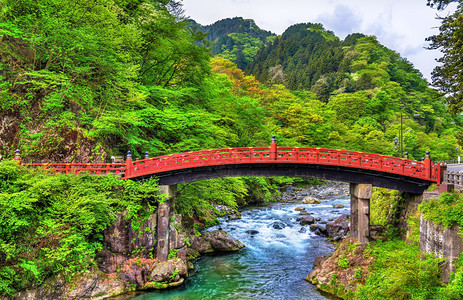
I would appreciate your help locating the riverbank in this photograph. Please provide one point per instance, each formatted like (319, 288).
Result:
(273, 263)
(391, 268)
(278, 252)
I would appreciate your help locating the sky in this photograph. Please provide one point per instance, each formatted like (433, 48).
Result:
(401, 26)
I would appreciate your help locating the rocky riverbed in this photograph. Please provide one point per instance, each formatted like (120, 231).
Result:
(279, 252)
(292, 194)
(335, 228)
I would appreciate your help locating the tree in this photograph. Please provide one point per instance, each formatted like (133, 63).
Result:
(448, 77)
(440, 4)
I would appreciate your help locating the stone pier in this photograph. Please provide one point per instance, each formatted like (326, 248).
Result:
(360, 195)
(165, 212)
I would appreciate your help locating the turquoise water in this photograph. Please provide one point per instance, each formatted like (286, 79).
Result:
(273, 264)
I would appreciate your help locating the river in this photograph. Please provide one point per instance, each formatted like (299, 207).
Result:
(273, 264)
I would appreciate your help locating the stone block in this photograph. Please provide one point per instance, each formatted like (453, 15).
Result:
(443, 242)
(446, 187)
(361, 191)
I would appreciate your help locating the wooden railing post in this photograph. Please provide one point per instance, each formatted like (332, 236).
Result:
(427, 165)
(273, 148)
(442, 175)
(128, 165)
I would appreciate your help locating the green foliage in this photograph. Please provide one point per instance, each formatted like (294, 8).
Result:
(447, 76)
(130, 75)
(133, 75)
(196, 198)
(172, 253)
(352, 247)
(343, 262)
(357, 75)
(398, 272)
(384, 205)
(454, 288)
(236, 39)
(447, 210)
(175, 273)
(318, 28)
(358, 274)
(53, 224)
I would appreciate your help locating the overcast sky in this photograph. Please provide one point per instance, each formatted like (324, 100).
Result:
(399, 25)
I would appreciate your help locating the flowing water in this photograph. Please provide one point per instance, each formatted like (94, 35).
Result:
(273, 264)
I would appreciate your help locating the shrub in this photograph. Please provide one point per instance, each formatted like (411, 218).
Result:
(398, 272)
(53, 224)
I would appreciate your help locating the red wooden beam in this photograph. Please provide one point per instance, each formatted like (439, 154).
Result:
(248, 155)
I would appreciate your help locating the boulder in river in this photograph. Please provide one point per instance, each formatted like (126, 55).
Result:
(299, 208)
(318, 229)
(199, 244)
(306, 220)
(311, 200)
(221, 241)
(338, 205)
(322, 230)
(164, 271)
(252, 232)
(234, 216)
(278, 225)
(338, 228)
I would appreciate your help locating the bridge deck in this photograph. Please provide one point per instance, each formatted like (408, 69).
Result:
(268, 161)
(284, 155)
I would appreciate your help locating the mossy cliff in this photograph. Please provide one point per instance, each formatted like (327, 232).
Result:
(406, 262)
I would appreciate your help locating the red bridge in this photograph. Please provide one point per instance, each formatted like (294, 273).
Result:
(340, 165)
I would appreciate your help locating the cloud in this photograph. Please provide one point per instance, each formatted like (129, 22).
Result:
(343, 21)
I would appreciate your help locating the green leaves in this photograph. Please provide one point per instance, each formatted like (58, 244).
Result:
(54, 224)
(398, 272)
(447, 210)
(448, 77)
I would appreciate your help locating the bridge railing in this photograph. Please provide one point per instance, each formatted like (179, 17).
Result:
(76, 168)
(249, 155)
(454, 178)
(301, 155)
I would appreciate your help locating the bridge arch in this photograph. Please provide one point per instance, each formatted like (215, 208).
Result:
(331, 164)
(334, 173)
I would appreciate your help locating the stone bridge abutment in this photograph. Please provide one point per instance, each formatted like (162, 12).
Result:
(166, 211)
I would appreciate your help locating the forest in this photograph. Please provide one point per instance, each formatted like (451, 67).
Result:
(81, 81)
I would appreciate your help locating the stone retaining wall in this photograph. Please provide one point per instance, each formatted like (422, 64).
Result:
(443, 242)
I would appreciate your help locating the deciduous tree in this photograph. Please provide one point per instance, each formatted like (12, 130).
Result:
(448, 77)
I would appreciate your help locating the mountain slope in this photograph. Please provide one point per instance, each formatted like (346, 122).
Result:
(308, 57)
(236, 39)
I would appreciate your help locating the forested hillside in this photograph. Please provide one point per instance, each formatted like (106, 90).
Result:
(236, 39)
(363, 86)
